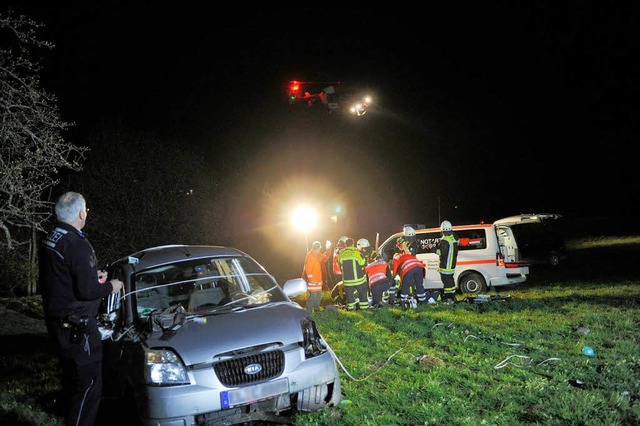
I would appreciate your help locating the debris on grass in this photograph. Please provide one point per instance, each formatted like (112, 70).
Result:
(428, 360)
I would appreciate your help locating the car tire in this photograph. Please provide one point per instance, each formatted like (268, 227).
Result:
(472, 283)
(554, 259)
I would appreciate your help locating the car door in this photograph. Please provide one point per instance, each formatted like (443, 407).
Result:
(540, 238)
(526, 218)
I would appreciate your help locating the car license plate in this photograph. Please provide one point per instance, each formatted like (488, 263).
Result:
(253, 393)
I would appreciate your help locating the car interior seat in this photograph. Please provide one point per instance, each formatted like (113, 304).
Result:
(205, 297)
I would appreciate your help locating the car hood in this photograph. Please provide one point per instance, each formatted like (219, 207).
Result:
(201, 338)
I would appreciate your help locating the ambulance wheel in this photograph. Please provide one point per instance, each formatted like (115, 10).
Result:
(473, 283)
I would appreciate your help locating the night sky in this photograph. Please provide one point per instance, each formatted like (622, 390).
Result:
(482, 110)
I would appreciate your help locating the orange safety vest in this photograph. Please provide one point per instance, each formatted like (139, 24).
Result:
(313, 270)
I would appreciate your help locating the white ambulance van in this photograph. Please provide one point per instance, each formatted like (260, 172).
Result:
(488, 254)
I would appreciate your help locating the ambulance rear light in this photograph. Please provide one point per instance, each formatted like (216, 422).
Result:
(499, 259)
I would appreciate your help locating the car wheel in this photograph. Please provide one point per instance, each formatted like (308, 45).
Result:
(554, 259)
(473, 283)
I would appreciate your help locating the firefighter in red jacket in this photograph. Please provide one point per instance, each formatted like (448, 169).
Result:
(380, 280)
(336, 271)
(412, 272)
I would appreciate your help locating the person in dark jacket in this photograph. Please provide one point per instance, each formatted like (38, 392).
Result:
(448, 254)
(354, 276)
(72, 289)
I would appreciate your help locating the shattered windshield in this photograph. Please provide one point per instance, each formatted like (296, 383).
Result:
(203, 285)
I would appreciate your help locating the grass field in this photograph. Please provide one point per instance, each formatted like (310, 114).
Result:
(516, 360)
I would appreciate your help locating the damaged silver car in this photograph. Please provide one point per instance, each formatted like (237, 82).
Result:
(204, 335)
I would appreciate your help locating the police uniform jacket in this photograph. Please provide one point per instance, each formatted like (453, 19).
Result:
(69, 275)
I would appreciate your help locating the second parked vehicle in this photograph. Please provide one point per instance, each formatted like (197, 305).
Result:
(488, 258)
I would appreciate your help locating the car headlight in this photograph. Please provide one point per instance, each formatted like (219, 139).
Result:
(164, 367)
(312, 342)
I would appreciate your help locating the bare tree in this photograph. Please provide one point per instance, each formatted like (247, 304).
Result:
(32, 150)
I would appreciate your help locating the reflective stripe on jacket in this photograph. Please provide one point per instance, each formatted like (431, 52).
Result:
(405, 263)
(377, 271)
(314, 287)
(314, 270)
(448, 253)
(352, 264)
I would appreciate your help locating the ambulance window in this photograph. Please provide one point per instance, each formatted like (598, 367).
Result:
(428, 242)
(472, 239)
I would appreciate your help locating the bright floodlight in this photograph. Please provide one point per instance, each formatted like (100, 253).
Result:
(304, 219)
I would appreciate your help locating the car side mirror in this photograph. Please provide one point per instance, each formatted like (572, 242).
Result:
(294, 287)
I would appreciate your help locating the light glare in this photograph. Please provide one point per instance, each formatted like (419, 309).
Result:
(304, 219)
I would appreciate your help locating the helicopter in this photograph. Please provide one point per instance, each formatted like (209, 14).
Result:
(334, 96)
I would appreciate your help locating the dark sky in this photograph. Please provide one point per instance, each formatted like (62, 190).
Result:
(493, 108)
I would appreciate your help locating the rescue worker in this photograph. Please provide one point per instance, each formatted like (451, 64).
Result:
(411, 271)
(410, 238)
(337, 272)
(367, 252)
(72, 288)
(448, 254)
(354, 276)
(337, 294)
(315, 274)
(380, 280)
(366, 249)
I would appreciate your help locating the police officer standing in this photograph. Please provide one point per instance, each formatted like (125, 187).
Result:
(71, 293)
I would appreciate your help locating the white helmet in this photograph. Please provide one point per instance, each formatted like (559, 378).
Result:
(446, 226)
(408, 231)
(343, 239)
(363, 243)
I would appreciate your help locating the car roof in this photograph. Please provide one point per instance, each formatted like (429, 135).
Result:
(160, 255)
